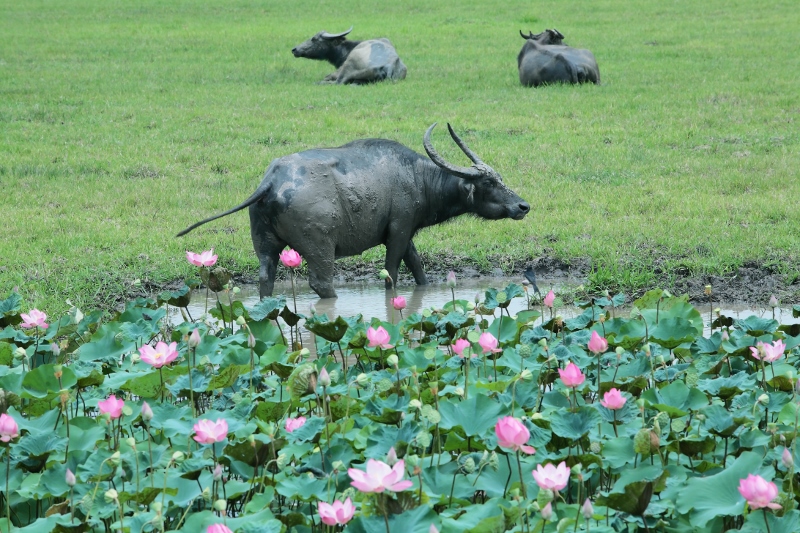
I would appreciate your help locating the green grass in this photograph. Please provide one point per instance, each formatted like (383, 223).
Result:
(122, 123)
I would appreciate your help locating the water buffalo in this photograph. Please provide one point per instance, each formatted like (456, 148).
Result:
(355, 61)
(329, 203)
(545, 59)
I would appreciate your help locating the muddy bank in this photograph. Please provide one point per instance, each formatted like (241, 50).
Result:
(751, 283)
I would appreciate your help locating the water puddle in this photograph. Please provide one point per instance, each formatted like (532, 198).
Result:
(371, 300)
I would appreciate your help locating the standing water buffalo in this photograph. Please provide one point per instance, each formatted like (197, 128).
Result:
(355, 61)
(545, 59)
(329, 203)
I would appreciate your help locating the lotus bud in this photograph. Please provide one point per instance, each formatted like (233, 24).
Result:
(324, 378)
(240, 321)
(526, 375)
(547, 512)
(587, 510)
(450, 281)
(362, 380)
(70, 478)
(392, 360)
(786, 459)
(111, 495)
(55, 348)
(251, 341)
(391, 457)
(383, 274)
(114, 459)
(147, 412)
(220, 505)
(708, 290)
(415, 404)
(217, 474)
(194, 339)
(773, 301)
(717, 311)
(459, 391)
(725, 335)
(312, 309)
(763, 399)
(178, 457)
(20, 353)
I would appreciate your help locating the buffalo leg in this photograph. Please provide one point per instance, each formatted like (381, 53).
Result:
(267, 247)
(397, 247)
(414, 264)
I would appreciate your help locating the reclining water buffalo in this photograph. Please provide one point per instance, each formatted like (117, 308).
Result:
(355, 61)
(329, 203)
(545, 59)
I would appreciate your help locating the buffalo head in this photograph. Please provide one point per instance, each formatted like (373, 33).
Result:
(483, 185)
(320, 45)
(546, 37)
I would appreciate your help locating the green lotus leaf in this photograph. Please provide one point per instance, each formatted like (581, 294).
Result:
(475, 415)
(574, 424)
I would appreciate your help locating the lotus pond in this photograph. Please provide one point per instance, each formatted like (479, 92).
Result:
(431, 421)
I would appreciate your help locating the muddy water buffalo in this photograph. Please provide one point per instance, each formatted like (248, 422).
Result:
(336, 202)
(355, 61)
(545, 59)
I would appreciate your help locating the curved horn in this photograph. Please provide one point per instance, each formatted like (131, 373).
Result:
(462, 172)
(464, 148)
(526, 37)
(558, 33)
(326, 35)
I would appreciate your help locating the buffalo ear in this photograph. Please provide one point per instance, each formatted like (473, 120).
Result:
(468, 190)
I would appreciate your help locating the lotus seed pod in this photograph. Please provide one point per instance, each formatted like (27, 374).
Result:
(469, 465)
(545, 496)
(526, 375)
(338, 465)
(678, 425)
(362, 380)
(241, 321)
(641, 442)
(392, 360)
(334, 375)
(459, 391)
(130, 441)
(543, 343)
(155, 506)
(764, 399)
(114, 459)
(383, 274)
(282, 460)
(494, 461)
(692, 378)
(384, 385)
(111, 496)
(220, 505)
(662, 418)
(595, 447)
(411, 460)
(576, 470)
(415, 404)
(20, 353)
(525, 351)
(178, 457)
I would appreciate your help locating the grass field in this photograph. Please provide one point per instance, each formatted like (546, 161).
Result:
(123, 122)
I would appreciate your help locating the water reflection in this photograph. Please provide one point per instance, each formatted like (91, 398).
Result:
(371, 300)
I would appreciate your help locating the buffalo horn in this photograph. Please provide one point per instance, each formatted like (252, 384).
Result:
(326, 35)
(464, 148)
(529, 36)
(462, 172)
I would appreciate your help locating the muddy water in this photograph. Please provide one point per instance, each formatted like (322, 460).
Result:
(371, 300)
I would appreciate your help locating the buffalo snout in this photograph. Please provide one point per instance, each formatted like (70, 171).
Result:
(521, 210)
(295, 53)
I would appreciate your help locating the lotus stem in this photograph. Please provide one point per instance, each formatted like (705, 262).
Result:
(521, 480)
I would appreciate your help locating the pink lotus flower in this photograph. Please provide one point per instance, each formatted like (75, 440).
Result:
(378, 338)
(111, 406)
(147, 412)
(571, 375)
(203, 259)
(162, 354)
(460, 346)
(208, 432)
(218, 528)
(551, 477)
(511, 433)
(290, 258)
(194, 339)
(597, 344)
(337, 514)
(613, 400)
(69, 478)
(294, 423)
(587, 509)
(489, 343)
(380, 477)
(758, 492)
(34, 319)
(549, 298)
(9, 430)
(399, 303)
(769, 353)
